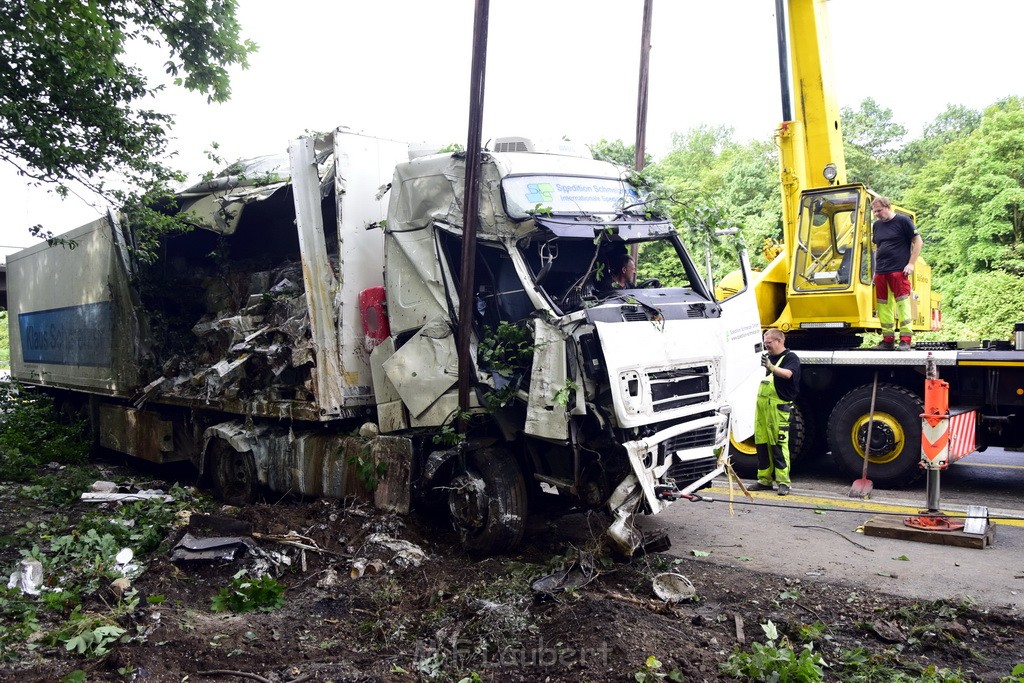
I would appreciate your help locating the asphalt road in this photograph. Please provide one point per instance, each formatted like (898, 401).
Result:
(813, 534)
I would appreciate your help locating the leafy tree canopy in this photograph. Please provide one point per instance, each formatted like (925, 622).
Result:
(71, 106)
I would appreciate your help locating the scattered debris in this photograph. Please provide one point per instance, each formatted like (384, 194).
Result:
(889, 631)
(672, 587)
(329, 580)
(103, 497)
(119, 587)
(361, 566)
(406, 553)
(578, 574)
(28, 578)
(207, 549)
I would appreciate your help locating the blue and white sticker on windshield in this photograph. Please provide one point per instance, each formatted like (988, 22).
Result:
(567, 195)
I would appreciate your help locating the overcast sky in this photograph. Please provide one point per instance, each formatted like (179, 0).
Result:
(400, 69)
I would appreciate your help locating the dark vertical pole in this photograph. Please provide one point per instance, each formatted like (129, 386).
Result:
(641, 95)
(780, 29)
(469, 204)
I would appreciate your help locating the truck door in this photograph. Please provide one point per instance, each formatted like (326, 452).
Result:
(743, 347)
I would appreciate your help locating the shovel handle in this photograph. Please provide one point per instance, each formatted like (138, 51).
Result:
(871, 421)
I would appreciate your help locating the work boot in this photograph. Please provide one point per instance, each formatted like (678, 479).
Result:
(884, 346)
(783, 490)
(758, 486)
(904, 346)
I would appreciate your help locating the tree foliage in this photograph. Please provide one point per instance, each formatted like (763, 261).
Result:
(72, 107)
(871, 143)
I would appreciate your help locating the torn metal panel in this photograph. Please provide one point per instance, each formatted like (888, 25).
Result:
(546, 417)
(425, 367)
(415, 287)
(217, 204)
(190, 548)
(318, 276)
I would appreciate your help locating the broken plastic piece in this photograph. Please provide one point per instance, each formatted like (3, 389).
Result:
(28, 578)
(406, 553)
(672, 587)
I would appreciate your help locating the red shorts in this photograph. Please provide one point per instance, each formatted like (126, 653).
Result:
(897, 283)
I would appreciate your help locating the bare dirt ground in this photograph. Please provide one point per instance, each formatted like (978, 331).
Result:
(448, 617)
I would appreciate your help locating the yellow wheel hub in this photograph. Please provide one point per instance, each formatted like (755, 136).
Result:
(887, 438)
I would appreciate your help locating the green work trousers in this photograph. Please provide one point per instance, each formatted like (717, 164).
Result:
(771, 435)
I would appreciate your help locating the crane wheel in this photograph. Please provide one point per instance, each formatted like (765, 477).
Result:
(895, 436)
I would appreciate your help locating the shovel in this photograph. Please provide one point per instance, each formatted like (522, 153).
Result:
(862, 487)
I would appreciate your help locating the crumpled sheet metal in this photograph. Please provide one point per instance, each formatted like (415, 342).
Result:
(208, 549)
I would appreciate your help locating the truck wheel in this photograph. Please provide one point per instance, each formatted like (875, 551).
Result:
(802, 436)
(488, 502)
(235, 481)
(895, 435)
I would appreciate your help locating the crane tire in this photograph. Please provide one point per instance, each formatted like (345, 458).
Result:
(895, 436)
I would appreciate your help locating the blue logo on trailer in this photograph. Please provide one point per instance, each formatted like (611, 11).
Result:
(75, 335)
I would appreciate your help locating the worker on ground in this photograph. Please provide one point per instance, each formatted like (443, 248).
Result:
(775, 398)
(897, 246)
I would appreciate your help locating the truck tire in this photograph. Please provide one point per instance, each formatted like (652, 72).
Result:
(895, 435)
(488, 502)
(235, 481)
(802, 437)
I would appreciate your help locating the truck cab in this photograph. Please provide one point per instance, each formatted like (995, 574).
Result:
(609, 397)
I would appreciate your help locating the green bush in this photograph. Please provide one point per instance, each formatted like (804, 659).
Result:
(31, 435)
(245, 595)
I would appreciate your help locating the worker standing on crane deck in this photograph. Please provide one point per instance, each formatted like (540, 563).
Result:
(898, 244)
(775, 398)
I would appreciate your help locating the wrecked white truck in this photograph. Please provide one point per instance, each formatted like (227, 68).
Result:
(299, 309)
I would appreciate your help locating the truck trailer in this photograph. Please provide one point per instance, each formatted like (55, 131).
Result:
(318, 291)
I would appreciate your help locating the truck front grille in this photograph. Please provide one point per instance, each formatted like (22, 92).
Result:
(685, 473)
(671, 389)
(705, 436)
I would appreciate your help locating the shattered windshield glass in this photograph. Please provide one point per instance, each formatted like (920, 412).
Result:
(578, 272)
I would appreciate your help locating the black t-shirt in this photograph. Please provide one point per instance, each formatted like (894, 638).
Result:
(893, 238)
(787, 389)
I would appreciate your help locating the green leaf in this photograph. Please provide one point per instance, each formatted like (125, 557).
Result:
(700, 553)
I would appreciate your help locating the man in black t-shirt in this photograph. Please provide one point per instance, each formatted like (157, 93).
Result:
(897, 246)
(772, 415)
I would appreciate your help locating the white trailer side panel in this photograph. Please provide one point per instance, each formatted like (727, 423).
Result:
(70, 319)
(363, 166)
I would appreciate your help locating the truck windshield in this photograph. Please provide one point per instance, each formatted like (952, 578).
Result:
(525, 195)
(575, 272)
(826, 240)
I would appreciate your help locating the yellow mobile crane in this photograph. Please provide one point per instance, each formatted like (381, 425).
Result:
(818, 288)
(822, 278)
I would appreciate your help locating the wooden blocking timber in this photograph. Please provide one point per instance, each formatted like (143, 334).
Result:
(891, 526)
